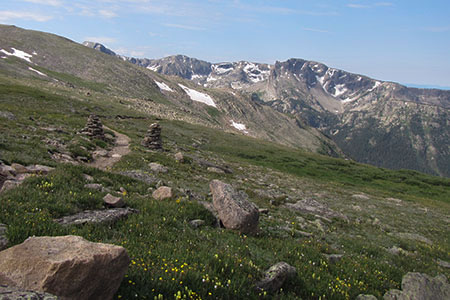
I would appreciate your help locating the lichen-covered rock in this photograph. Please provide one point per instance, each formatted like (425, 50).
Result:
(163, 192)
(113, 201)
(158, 168)
(233, 208)
(418, 286)
(276, 276)
(67, 266)
(96, 216)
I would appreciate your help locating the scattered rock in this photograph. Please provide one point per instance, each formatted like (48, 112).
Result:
(361, 197)
(215, 170)
(412, 236)
(63, 158)
(94, 128)
(366, 297)
(418, 286)
(100, 153)
(334, 258)
(9, 184)
(96, 216)
(113, 201)
(395, 200)
(67, 266)
(179, 157)
(376, 222)
(356, 207)
(139, 175)
(152, 139)
(196, 223)
(443, 263)
(163, 192)
(233, 208)
(207, 164)
(263, 211)
(3, 239)
(39, 169)
(394, 250)
(96, 186)
(276, 276)
(13, 293)
(7, 115)
(157, 168)
(311, 206)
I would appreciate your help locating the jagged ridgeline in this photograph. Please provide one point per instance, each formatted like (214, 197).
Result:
(380, 123)
(201, 192)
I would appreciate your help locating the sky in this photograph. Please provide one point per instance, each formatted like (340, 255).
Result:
(406, 41)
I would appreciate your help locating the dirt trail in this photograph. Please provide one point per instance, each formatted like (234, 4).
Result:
(121, 148)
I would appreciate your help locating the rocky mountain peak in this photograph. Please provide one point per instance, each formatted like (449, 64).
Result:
(99, 47)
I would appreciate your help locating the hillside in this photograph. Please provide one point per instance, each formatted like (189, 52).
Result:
(347, 228)
(380, 123)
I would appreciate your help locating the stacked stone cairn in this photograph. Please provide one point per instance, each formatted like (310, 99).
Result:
(94, 128)
(152, 139)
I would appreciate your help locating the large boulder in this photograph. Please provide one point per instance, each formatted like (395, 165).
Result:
(113, 201)
(13, 293)
(233, 208)
(418, 286)
(275, 277)
(67, 266)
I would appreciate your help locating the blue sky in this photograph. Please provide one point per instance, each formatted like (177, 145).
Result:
(406, 41)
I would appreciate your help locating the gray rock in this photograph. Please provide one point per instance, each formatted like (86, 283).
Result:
(233, 208)
(196, 223)
(276, 276)
(443, 263)
(3, 239)
(334, 258)
(366, 297)
(9, 184)
(96, 186)
(311, 206)
(19, 169)
(96, 216)
(113, 201)
(139, 175)
(418, 286)
(412, 236)
(215, 170)
(361, 197)
(394, 250)
(39, 169)
(7, 115)
(14, 293)
(157, 168)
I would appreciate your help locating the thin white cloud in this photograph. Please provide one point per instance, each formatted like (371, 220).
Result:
(182, 26)
(315, 30)
(46, 2)
(353, 5)
(7, 15)
(101, 39)
(384, 4)
(365, 6)
(107, 13)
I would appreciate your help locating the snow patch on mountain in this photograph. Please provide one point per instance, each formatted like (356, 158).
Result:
(339, 90)
(239, 126)
(36, 71)
(377, 84)
(163, 87)
(18, 53)
(254, 73)
(222, 68)
(153, 68)
(198, 96)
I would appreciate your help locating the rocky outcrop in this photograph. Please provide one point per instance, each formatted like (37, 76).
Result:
(311, 206)
(14, 175)
(152, 139)
(233, 208)
(162, 193)
(67, 266)
(418, 286)
(94, 128)
(139, 175)
(276, 276)
(14, 293)
(158, 168)
(96, 216)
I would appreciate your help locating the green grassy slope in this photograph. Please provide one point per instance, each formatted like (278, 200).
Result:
(171, 259)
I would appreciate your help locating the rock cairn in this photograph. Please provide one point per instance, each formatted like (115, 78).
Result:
(152, 139)
(94, 128)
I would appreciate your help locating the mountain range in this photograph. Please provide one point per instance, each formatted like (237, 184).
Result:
(298, 103)
(372, 121)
